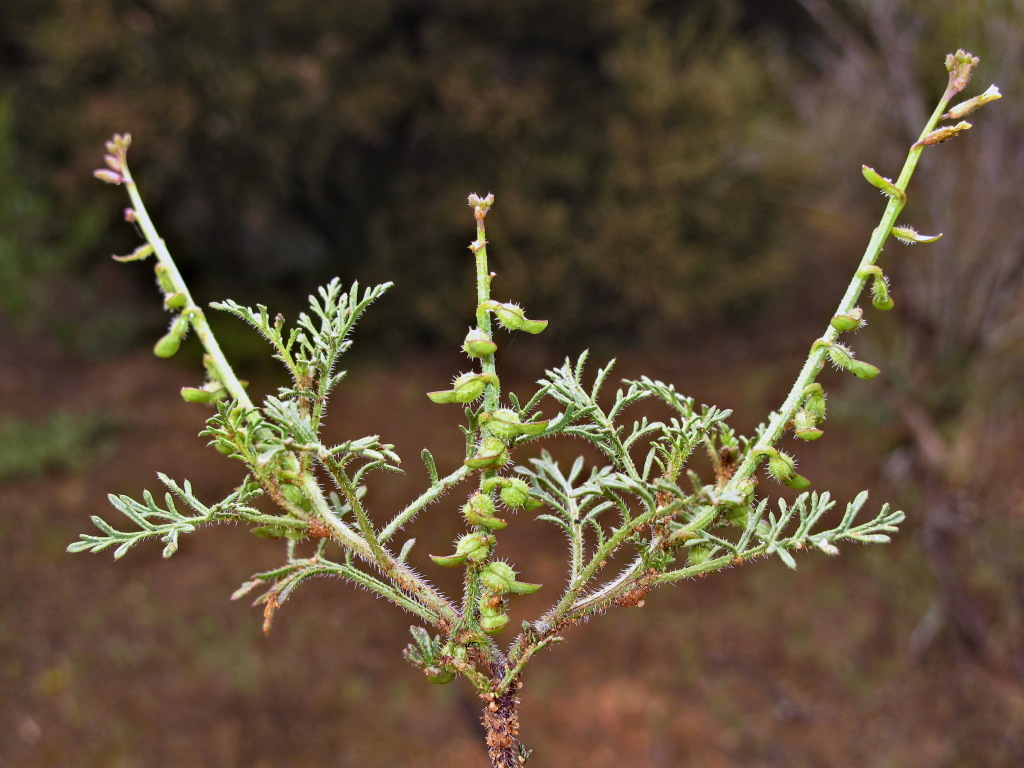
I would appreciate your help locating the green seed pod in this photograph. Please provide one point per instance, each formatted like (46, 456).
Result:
(473, 548)
(512, 317)
(197, 395)
(223, 446)
(479, 510)
(295, 495)
(739, 496)
(465, 389)
(880, 298)
(910, 236)
(491, 454)
(799, 482)
(848, 321)
(503, 423)
(841, 356)
(176, 300)
(499, 577)
(163, 278)
(781, 466)
(440, 675)
(885, 185)
(478, 344)
(492, 625)
(738, 516)
(863, 370)
(805, 426)
(814, 401)
(516, 493)
(698, 554)
(168, 345)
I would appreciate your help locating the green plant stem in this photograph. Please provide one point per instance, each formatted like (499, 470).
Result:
(434, 492)
(815, 360)
(399, 573)
(197, 318)
(483, 316)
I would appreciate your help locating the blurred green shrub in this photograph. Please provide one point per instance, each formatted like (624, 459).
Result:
(64, 441)
(299, 140)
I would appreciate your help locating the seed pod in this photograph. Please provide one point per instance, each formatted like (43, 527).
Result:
(478, 344)
(198, 395)
(492, 625)
(473, 548)
(805, 425)
(840, 356)
(964, 108)
(440, 675)
(781, 466)
(163, 278)
(296, 496)
(491, 454)
(698, 554)
(880, 298)
(515, 493)
(849, 321)
(466, 388)
(512, 317)
(797, 482)
(167, 345)
(175, 300)
(885, 185)
(863, 370)
(814, 401)
(499, 577)
(138, 254)
(479, 510)
(910, 236)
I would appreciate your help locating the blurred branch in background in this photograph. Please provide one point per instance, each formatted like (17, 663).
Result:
(956, 448)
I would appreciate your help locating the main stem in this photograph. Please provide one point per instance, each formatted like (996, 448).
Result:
(816, 358)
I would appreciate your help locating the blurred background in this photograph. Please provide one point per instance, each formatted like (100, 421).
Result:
(678, 185)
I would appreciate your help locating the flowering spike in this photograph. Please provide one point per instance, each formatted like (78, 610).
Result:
(960, 66)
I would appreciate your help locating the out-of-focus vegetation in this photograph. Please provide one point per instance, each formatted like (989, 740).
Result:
(291, 141)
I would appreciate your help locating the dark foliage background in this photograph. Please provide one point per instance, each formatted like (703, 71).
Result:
(678, 181)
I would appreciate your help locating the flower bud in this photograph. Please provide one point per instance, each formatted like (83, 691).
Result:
(960, 65)
(138, 254)
(848, 321)
(108, 176)
(479, 510)
(478, 344)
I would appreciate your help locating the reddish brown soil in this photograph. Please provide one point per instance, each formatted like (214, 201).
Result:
(144, 663)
